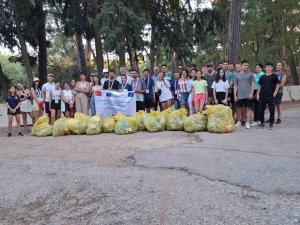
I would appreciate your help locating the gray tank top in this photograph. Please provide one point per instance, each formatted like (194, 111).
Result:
(280, 76)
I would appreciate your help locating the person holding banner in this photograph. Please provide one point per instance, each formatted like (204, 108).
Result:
(112, 83)
(124, 86)
(162, 86)
(95, 91)
(139, 88)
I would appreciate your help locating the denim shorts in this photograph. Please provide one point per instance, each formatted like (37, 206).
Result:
(184, 98)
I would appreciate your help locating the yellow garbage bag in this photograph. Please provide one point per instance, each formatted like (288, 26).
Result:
(167, 111)
(109, 124)
(220, 119)
(60, 127)
(41, 127)
(139, 117)
(94, 125)
(154, 121)
(127, 125)
(78, 124)
(195, 123)
(175, 119)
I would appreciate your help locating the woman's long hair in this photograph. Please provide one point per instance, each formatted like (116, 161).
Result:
(218, 77)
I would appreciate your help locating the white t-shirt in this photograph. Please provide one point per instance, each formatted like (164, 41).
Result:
(166, 94)
(47, 88)
(221, 86)
(129, 79)
(103, 80)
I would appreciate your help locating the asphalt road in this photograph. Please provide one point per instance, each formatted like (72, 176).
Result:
(246, 177)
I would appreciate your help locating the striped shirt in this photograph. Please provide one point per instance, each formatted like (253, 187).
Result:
(183, 86)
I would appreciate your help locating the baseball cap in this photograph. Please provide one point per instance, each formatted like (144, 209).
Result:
(209, 65)
(105, 70)
(36, 79)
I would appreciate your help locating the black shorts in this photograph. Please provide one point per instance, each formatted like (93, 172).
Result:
(10, 113)
(246, 102)
(220, 97)
(47, 107)
(149, 103)
(56, 106)
(140, 106)
(278, 98)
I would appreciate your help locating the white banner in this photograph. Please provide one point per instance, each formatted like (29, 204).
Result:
(111, 102)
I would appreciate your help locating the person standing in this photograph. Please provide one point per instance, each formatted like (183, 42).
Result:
(150, 91)
(95, 91)
(67, 100)
(192, 77)
(124, 86)
(111, 84)
(200, 92)
(55, 103)
(220, 88)
(13, 110)
(278, 99)
(167, 75)
(82, 89)
(26, 106)
(175, 90)
(46, 88)
(257, 76)
(230, 78)
(266, 94)
(38, 98)
(184, 86)
(139, 88)
(210, 77)
(104, 76)
(243, 92)
(154, 76)
(162, 85)
(123, 71)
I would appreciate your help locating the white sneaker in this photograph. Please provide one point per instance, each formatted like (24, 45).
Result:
(254, 124)
(238, 124)
(247, 125)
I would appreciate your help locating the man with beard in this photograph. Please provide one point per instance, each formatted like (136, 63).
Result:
(210, 77)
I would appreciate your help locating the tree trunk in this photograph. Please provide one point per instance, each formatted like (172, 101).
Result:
(80, 51)
(99, 51)
(122, 57)
(152, 48)
(108, 62)
(3, 83)
(89, 54)
(293, 68)
(41, 37)
(20, 36)
(234, 40)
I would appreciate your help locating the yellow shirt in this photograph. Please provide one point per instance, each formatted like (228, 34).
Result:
(199, 86)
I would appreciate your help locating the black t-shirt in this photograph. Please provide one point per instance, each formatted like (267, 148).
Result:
(12, 101)
(113, 84)
(268, 85)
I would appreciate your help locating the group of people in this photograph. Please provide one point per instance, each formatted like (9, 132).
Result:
(191, 88)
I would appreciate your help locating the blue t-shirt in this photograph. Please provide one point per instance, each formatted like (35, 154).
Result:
(229, 77)
(256, 79)
(12, 101)
(149, 86)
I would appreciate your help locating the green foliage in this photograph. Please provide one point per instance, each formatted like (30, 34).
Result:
(14, 72)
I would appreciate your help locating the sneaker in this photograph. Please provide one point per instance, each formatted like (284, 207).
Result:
(238, 124)
(278, 121)
(271, 127)
(20, 134)
(260, 126)
(9, 134)
(247, 125)
(254, 124)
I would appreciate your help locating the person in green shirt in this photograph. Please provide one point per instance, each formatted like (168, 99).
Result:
(200, 93)
(167, 75)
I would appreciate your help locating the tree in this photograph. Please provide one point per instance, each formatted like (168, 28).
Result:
(234, 41)
(3, 83)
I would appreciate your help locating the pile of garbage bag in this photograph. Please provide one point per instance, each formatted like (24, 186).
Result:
(41, 127)
(220, 119)
(215, 119)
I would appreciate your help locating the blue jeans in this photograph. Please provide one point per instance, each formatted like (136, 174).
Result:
(92, 106)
